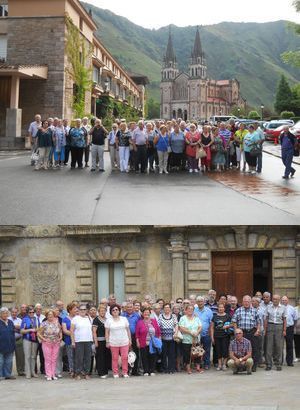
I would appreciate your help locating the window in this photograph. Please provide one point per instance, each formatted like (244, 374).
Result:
(3, 47)
(3, 10)
(96, 75)
(81, 24)
(110, 279)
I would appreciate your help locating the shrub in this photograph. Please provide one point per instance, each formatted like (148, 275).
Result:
(287, 115)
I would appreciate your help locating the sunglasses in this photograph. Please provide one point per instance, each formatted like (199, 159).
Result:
(82, 309)
(31, 312)
(115, 310)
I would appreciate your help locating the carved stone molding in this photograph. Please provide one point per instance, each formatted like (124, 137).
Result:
(45, 282)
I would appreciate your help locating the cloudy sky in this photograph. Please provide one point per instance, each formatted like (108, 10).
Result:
(159, 13)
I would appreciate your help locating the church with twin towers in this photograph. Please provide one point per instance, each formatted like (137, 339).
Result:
(192, 95)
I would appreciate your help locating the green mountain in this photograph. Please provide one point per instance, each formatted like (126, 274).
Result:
(249, 52)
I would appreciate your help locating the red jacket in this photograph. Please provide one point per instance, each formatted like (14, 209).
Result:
(141, 331)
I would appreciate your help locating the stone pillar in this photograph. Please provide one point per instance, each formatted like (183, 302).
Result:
(297, 247)
(178, 249)
(14, 114)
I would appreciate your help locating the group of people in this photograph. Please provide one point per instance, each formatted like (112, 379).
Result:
(145, 147)
(143, 338)
(165, 146)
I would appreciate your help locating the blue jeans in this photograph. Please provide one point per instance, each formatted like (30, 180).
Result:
(206, 342)
(6, 361)
(287, 159)
(259, 162)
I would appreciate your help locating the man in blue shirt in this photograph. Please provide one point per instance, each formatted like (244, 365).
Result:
(205, 315)
(132, 317)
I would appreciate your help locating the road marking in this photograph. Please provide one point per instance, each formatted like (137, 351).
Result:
(12, 158)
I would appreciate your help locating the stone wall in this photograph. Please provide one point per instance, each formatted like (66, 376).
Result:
(39, 41)
(46, 263)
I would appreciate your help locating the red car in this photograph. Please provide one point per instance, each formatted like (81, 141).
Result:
(274, 134)
(296, 130)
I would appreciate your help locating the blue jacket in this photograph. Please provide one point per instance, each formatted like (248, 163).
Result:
(7, 337)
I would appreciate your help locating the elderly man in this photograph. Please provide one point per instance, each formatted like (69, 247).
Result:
(38, 308)
(61, 307)
(32, 131)
(19, 352)
(240, 353)
(140, 142)
(211, 301)
(291, 320)
(260, 338)
(275, 331)
(288, 142)
(247, 318)
(98, 134)
(205, 315)
(87, 126)
(232, 305)
(132, 318)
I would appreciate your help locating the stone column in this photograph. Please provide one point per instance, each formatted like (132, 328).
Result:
(14, 114)
(178, 249)
(297, 247)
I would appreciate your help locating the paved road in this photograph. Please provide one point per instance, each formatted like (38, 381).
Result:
(80, 197)
(208, 391)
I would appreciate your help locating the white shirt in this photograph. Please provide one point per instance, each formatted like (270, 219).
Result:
(82, 329)
(292, 315)
(118, 335)
(40, 318)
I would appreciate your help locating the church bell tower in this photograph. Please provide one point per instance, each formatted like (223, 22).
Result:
(197, 67)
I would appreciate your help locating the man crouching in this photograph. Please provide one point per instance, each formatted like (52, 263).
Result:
(240, 353)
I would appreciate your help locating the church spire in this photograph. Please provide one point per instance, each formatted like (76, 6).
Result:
(197, 51)
(170, 54)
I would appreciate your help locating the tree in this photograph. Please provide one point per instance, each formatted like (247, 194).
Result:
(238, 112)
(253, 115)
(287, 114)
(283, 96)
(293, 57)
(153, 109)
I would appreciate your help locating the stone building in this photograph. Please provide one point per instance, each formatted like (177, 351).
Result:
(35, 68)
(193, 95)
(43, 263)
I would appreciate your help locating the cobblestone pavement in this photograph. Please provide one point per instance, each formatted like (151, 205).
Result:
(212, 390)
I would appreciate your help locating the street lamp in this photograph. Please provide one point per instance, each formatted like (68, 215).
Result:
(239, 111)
(262, 112)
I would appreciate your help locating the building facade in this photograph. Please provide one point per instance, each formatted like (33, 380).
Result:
(35, 69)
(86, 263)
(193, 95)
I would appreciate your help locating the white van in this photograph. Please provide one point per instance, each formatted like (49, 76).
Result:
(222, 118)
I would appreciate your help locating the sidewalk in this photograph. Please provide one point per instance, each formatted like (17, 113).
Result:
(275, 150)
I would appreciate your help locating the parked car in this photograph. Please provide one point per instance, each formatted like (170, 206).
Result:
(274, 134)
(272, 126)
(296, 130)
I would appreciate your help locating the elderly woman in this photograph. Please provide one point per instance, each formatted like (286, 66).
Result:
(66, 328)
(118, 340)
(206, 142)
(59, 137)
(50, 334)
(123, 139)
(77, 136)
(82, 338)
(98, 134)
(28, 329)
(168, 326)
(219, 153)
(103, 356)
(44, 139)
(162, 144)
(7, 344)
(250, 145)
(146, 328)
(192, 139)
(219, 335)
(239, 143)
(113, 153)
(190, 327)
(177, 143)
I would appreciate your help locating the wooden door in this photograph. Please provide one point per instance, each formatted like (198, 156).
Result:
(232, 273)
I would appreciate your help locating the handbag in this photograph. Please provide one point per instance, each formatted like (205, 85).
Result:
(178, 336)
(200, 153)
(255, 151)
(35, 155)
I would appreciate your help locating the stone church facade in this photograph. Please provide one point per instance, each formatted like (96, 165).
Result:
(44, 263)
(193, 95)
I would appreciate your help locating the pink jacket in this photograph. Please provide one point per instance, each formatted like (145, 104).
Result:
(141, 331)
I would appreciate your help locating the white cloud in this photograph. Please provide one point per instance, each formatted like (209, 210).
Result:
(159, 13)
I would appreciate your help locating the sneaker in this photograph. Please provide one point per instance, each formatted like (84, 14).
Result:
(253, 172)
(93, 170)
(160, 172)
(196, 171)
(152, 374)
(293, 173)
(101, 170)
(166, 172)
(219, 368)
(190, 171)
(59, 376)
(103, 377)
(49, 379)
(116, 376)
(284, 177)
(126, 376)
(56, 378)
(268, 368)
(146, 374)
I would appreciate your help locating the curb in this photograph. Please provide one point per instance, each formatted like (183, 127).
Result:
(278, 156)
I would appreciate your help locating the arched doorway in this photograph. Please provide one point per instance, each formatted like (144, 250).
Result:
(179, 113)
(174, 114)
(185, 117)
